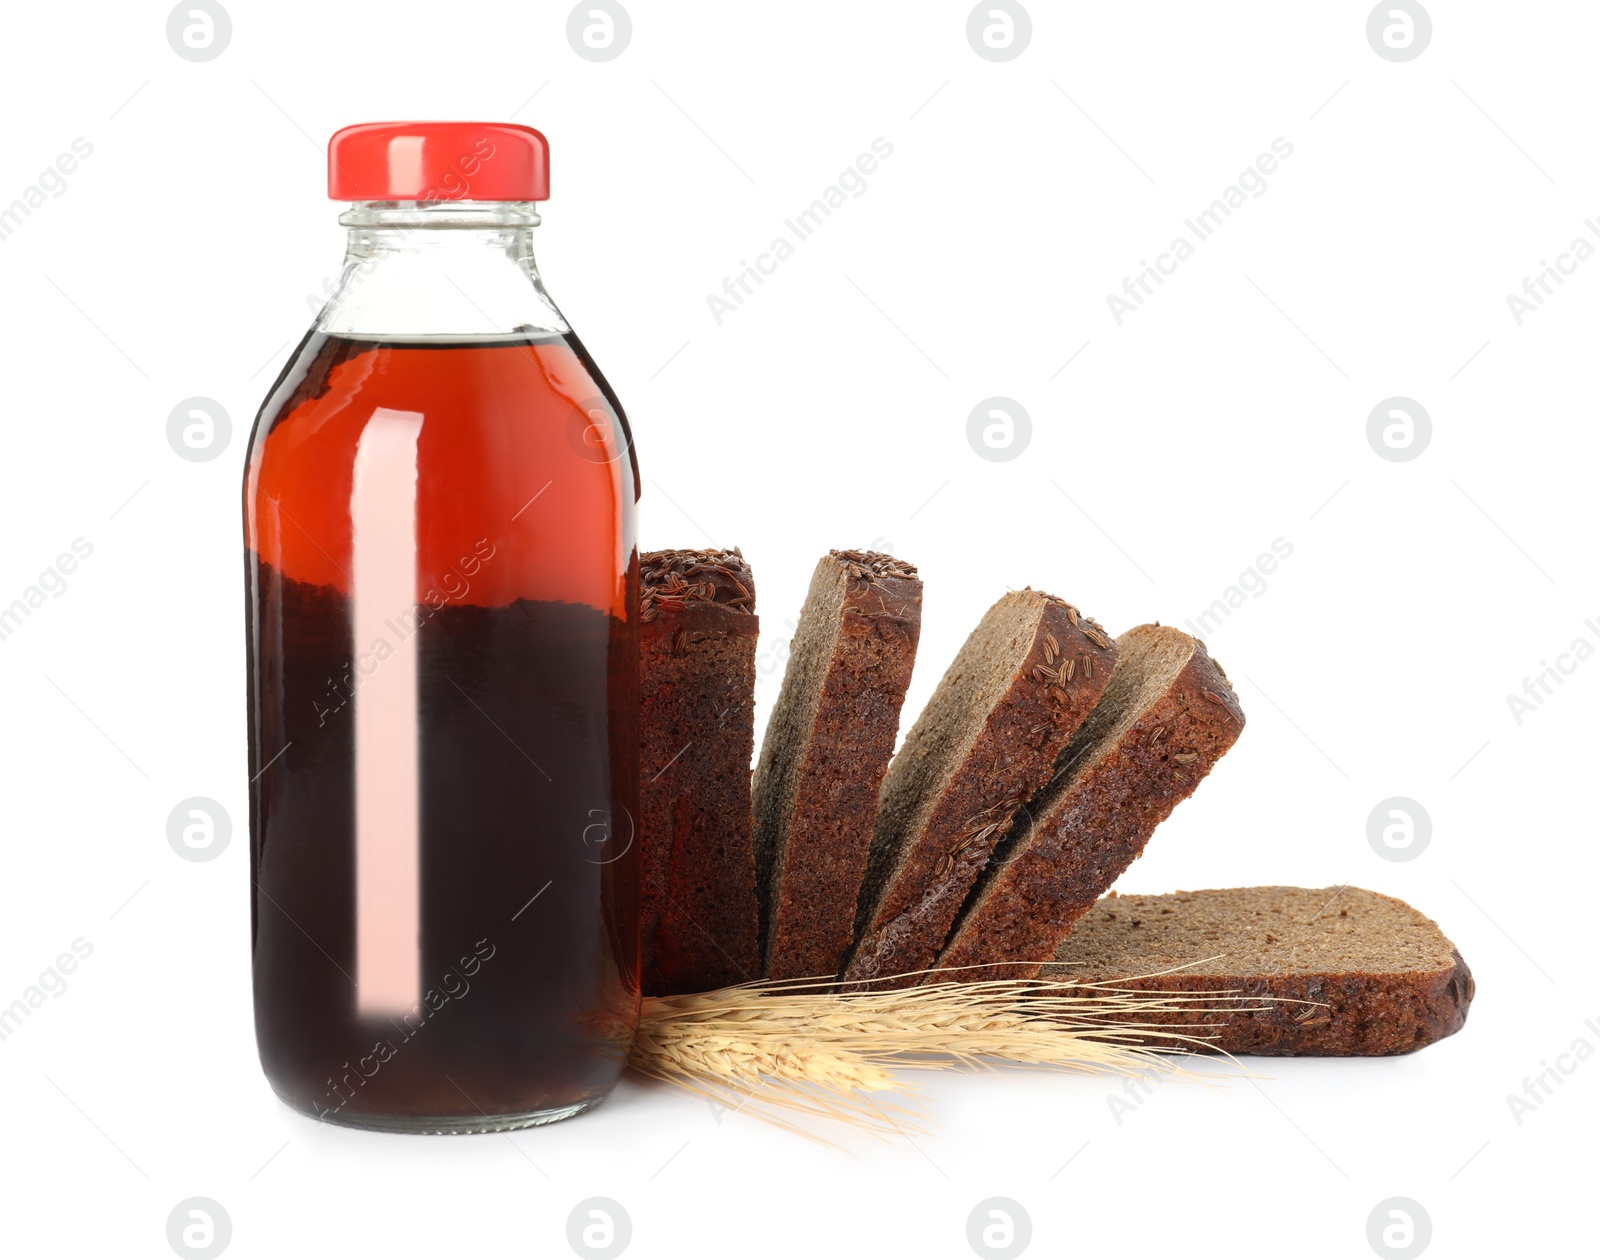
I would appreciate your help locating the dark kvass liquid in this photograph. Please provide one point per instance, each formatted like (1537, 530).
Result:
(528, 997)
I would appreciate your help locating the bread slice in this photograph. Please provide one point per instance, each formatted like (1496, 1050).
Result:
(697, 645)
(823, 758)
(1167, 715)
(1351, 972)
(988, 739)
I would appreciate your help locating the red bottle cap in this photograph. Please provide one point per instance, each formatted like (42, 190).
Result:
(438, 161)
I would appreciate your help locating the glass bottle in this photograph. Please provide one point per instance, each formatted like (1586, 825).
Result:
(441, 580)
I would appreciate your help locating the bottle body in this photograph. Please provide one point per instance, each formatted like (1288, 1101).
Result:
(441, 573)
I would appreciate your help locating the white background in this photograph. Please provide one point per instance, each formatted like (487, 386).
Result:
(830, 410)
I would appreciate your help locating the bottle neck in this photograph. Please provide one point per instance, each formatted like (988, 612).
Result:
(441, 269)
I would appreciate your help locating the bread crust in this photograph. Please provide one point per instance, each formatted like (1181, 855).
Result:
(697, 646)
(815, 817)
(1295, 1008)
(1051, 869)
(1013, 756)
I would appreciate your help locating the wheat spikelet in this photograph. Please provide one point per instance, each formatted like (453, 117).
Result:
(798, 1048)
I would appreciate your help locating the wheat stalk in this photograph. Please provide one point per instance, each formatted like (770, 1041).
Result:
(799, 1049)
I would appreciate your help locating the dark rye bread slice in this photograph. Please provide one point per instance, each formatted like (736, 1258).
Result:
(697, 645)
(823, 758)
(1166, 717)
(1350, 972)
(1023, 682)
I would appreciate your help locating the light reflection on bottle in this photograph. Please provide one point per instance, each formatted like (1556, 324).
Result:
(383, 516)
